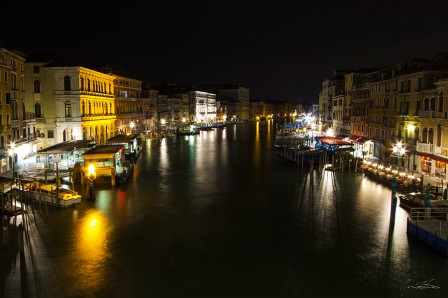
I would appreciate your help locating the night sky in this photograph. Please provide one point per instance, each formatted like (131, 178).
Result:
(281, 50)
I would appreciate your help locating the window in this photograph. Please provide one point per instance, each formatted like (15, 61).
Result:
(431, 136)
(8, 98)
(38, 110)
(406, 108)
(433, 104)
(408, 86)
(50, 134)
(68, 109)
(425, 135)
(36, 69)
(67, 84)
(36, 86)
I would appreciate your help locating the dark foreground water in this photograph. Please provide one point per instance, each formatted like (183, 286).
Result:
(220, 215)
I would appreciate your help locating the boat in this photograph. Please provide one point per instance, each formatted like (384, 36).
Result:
(189, 131)
(417, 200)
(47, 193)
(206, 128)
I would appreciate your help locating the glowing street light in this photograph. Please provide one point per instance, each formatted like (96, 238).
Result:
(399, 151)
(91, 175)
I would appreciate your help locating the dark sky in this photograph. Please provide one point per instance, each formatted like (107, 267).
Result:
(281, 50)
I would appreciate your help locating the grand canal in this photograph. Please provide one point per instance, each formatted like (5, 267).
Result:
(220, 215)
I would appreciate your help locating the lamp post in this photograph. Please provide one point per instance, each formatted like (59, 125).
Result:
(91, 175)
(12, 153)
(399, 151)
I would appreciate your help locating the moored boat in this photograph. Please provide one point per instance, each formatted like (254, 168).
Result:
(51, 194)
(417, 200)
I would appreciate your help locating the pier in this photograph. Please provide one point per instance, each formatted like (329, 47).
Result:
(426, 225)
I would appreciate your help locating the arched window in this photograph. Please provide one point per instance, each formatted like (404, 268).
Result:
(82, 83)
(38, 110)
(90, 108)
(68, 109)
(83, 108)
(425, 135)
(426, 104)
(433, 104)
(67, 84)
(36, 86)
(431, 136)
(441, 102)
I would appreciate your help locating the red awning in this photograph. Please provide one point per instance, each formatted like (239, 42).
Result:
(353, 138)
(362, 140)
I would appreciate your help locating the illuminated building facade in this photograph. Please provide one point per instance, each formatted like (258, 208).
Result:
(69, 102)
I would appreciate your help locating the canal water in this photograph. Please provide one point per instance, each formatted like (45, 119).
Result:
(220, 215)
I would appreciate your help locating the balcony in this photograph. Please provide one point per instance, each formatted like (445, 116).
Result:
(425, 148)
(432, 115)
(426, 114)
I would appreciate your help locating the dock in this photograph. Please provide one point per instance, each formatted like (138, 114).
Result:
(431, 230)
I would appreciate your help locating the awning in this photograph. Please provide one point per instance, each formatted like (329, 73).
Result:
(353, 138)
(362, 140)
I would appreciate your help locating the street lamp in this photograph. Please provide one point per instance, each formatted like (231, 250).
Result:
(12, 153)
(399, 151)
(91, 175)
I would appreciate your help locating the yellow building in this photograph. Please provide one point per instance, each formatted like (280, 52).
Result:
(69, 102)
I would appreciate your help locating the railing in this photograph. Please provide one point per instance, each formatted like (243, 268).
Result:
(427, 114)
(430, 213)
(425, 147)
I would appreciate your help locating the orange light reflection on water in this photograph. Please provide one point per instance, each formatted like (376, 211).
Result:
(87, 260)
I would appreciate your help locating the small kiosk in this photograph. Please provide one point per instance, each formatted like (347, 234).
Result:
(110, 163)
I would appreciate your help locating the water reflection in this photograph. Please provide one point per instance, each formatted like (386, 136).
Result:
(86, 265)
